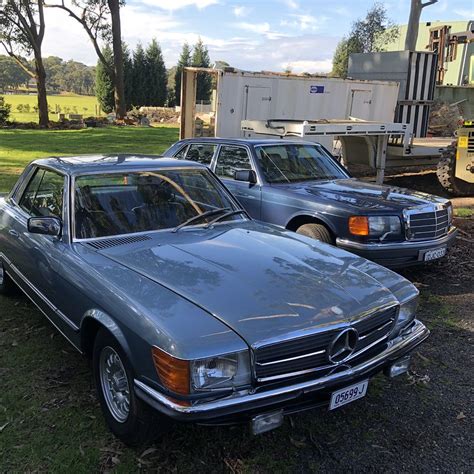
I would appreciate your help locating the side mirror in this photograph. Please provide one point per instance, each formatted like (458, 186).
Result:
(45, 226)
(248, 176)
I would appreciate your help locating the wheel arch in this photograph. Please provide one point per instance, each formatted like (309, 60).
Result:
(92, 322)
(300, 219)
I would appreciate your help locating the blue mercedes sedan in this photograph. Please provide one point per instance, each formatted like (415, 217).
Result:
(187, 307)
(301, 187)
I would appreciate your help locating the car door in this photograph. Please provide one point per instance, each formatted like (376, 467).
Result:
(38, 259)
(230, 159)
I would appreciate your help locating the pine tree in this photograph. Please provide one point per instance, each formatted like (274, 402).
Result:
(104, 87)
(138, 96)
(127, 75)
(184, 61)
(204, 81)
(155, 77)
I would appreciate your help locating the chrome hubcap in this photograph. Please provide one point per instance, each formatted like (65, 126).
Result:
(113, 379)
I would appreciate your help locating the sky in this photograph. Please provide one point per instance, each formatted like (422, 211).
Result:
(255, 35)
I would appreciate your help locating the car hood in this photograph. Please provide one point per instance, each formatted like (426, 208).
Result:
(261, 282)
(363, 195)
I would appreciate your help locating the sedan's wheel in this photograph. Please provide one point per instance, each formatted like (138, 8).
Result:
(6, 283)
(114, 383)
(316, 231)
(128, 417)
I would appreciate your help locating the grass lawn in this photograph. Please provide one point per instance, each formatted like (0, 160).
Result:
(19, 147)
(79, 104)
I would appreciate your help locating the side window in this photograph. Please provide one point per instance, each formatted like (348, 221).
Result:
(231, 159)
(181, 153)
(44, 195)
(201, 152)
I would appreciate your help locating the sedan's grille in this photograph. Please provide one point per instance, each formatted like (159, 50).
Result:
(427, 225)
(470, 143)
(309, 353)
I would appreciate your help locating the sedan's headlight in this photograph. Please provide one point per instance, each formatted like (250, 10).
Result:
(449, 208)
(406, 314)
(376, 226)
(188, 376)
(226, 371)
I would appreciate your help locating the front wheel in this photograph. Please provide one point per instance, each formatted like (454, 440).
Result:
(316, 231)
(446, 173)
(128, 417)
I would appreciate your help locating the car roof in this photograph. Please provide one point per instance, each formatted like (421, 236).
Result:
(247, 141)
(86, 164)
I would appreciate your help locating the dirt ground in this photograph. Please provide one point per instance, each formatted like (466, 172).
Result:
(423, 422)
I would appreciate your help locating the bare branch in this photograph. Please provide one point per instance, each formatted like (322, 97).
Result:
(428, 3)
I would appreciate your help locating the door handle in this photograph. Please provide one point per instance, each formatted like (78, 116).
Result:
(14, 233)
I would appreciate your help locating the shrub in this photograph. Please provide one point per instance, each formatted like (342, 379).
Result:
(4, 110)
(19, 108)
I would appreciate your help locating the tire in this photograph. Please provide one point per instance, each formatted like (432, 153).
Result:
(446, 175)
(316, 231)
(7, 286)
(137, 424)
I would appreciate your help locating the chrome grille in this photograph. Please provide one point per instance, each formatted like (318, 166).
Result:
(470, 143)
(427, 225)
(309, 353)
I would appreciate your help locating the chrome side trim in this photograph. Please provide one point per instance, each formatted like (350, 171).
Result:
(412, 244)
(418, 333)
(46, 315)
(289, 359)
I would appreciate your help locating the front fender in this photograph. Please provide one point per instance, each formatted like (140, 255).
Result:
(325, 219)
(94, 317)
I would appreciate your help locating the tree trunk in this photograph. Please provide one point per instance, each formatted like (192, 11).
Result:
(41, 87)
(119, 93)
(413, 22)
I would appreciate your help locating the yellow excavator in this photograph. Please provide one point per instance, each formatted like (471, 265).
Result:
(456, 166)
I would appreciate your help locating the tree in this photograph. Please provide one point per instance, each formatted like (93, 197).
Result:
(127, 75)
(22, 28)
(139, 94)
(204, 81)
(340, 60)
(101, 21)
(104, 87)
(155, 77)
(11, 74)
(4, 111)
(414, 21)
(184, 61)
(369, 34)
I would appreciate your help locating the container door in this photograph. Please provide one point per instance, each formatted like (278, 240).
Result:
(361, 101)
(256, 103)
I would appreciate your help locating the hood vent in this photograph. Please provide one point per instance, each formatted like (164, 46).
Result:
(114, 242)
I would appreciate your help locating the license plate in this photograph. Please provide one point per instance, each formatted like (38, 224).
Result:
(434, 254)
(348, 394)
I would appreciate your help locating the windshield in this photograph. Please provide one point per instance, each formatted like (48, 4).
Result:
(124, 203)
(290, 163)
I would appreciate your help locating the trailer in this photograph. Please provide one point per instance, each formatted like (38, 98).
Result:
(374, 121)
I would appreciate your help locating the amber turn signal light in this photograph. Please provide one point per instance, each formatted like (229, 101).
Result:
(359, 225)
(173, 372)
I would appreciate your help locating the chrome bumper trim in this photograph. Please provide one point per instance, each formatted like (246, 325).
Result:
(418, 333)
(407, 244)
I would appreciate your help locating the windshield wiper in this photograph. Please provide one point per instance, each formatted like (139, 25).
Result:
(200, 216)
(223, 216)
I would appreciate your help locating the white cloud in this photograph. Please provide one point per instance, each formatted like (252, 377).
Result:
(323, 66)
(304, 22)
(260, 28)
(292, 4)
(171, 5)
(240, 11)
(464, 13)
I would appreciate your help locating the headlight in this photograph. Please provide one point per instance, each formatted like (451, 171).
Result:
(226, 371)
(406, 314)
(450, 213)
(376, 226)
(188, 376)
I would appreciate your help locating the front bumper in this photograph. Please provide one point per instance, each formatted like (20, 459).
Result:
(263, 399)
(396, 254)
